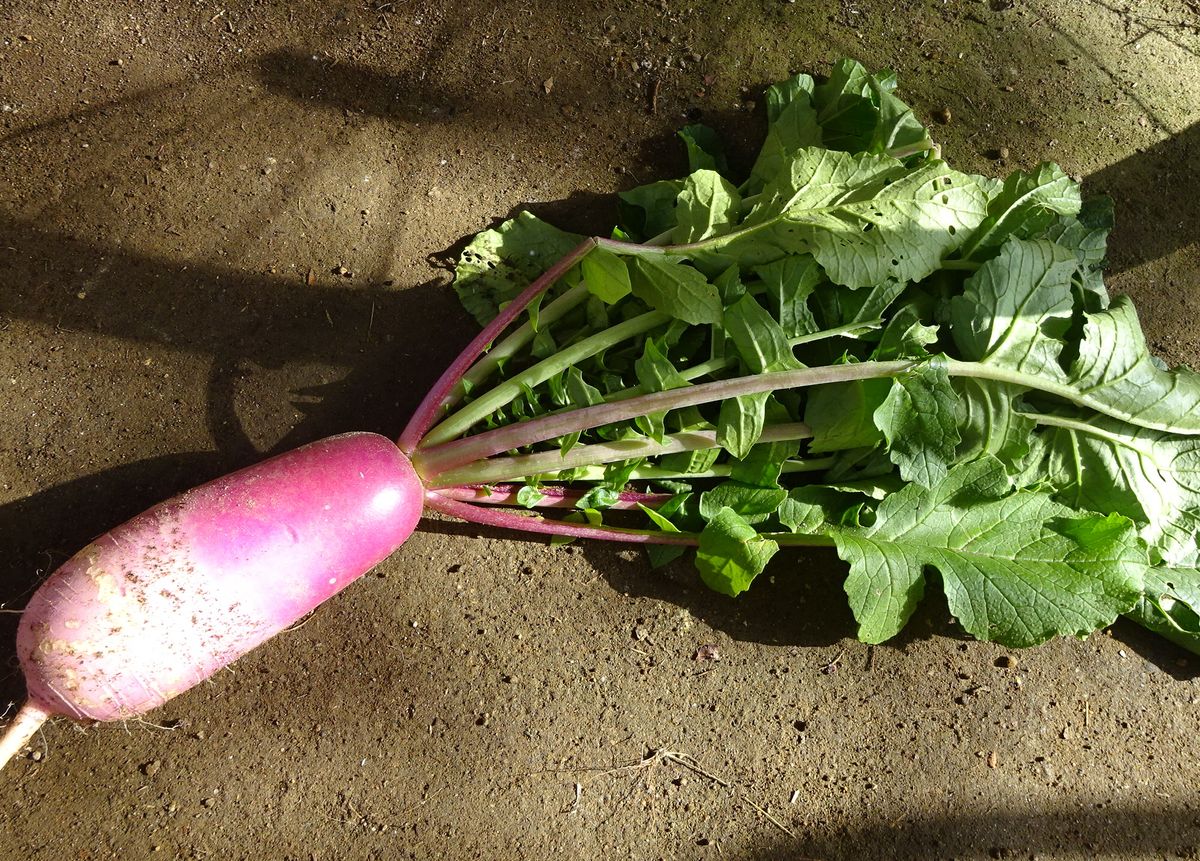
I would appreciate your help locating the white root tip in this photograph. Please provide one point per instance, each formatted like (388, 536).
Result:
(22, 728)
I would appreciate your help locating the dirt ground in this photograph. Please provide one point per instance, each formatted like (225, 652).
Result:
(224, 228)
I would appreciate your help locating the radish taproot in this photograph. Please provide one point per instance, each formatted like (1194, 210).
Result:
(162, 602)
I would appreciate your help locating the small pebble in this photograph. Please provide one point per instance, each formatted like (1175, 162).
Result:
(208, 802)
(707, 652)
(943, 116)
(993, 759)
(1007, 662)
(151, 768)
(36, 756)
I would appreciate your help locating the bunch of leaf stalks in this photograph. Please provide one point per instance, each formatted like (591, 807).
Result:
(855, 347)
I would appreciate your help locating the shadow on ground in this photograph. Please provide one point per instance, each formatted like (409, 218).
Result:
(1157, 197)
(1143, 830)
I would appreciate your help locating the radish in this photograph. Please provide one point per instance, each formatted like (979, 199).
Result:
(164, 601)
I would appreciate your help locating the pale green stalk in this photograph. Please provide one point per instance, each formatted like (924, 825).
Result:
(512, 344)
(717, 470)
(498, 397)
(490, 470)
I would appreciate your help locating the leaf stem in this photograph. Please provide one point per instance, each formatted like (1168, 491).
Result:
(503, 394)
(488, 470)
(439, 459)
(435, 401)
(903, 152)
(719, 470)
(504, 518)
(703, 369)
(799, 539)
(519, 337)
(553, 496)
(1124, 441)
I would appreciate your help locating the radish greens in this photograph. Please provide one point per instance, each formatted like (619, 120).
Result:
(855, 346)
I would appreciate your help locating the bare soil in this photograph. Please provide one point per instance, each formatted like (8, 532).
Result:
(224, 229)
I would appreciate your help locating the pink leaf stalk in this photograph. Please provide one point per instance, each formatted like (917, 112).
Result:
(552, 496)
(503, 518)
(439, 397)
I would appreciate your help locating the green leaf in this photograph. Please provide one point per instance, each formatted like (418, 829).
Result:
(649, 210)
(740, 423)
(779, 96)
(606, 275)
(731, 553)
(792, 127)
(654, 370)
(897, 131)
(847, 116)
(661, 522)
(1151, 477)
(704, 148)
(789, 282)
(597, 499)
(989, 424)
(1086, 235)
(708, 205)
(529, 496)
(1015, 310)
(758, 337)
(729, 285)
(754, 504)
(686, 462)
(1171, 605)
(498, 264)
(841, 307)
(591, 517)
(1018, 568)
(764, 463)
(918, 422)
(812, 509)
(842, 415)
(1026, 205)
(676, 289)
(581, 393)
(1115, 370)
(617, 474)
(905, 336)
(866, 219)
(543, 345)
